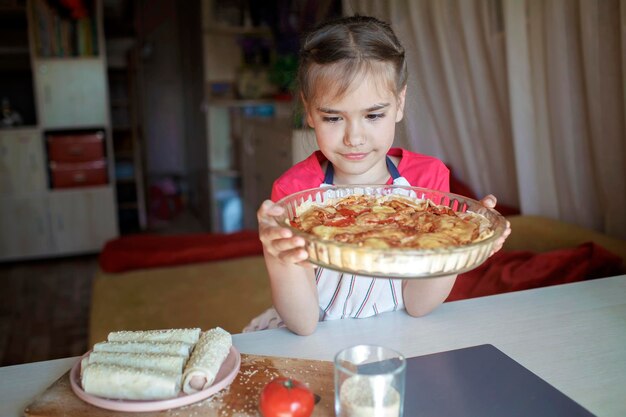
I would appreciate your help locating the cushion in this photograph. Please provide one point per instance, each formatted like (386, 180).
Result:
(509, 271)
(542, 234)
(132, 252)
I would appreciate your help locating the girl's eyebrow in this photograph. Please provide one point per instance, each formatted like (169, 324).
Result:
(378, 106)
(375, 107)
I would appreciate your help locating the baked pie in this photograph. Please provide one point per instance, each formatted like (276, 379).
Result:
(392, 231)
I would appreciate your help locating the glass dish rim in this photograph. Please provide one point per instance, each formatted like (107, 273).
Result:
(497, 224)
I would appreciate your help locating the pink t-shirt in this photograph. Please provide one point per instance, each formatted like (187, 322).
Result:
(419, 170)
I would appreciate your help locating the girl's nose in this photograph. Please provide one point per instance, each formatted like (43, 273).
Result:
(354, 136)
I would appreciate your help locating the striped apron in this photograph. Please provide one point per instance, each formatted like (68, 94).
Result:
(343, 295)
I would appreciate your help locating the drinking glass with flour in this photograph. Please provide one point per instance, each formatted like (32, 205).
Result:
(369, 382)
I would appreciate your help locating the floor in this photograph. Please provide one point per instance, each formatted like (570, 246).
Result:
(44, 304)
(44, 311)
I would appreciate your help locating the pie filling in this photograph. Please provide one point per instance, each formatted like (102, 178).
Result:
(390, 222)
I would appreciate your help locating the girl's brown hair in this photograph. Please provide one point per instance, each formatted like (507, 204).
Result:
(335, 53)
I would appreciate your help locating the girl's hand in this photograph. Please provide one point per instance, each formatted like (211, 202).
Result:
(490, 201)
(278, 241)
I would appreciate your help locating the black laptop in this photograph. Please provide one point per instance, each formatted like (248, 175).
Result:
(480, 381)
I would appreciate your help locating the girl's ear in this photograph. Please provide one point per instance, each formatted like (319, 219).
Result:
(307, 112)
(401, 100)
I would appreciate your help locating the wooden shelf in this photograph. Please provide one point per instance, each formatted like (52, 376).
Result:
(70, 96)
(57, 35)
(126, 132)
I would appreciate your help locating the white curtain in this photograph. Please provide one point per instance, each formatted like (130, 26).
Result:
(524, 99)
(567, 79)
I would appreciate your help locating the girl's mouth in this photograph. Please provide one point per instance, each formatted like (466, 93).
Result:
(355, 156)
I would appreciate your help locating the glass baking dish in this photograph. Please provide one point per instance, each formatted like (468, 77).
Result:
(393, 262)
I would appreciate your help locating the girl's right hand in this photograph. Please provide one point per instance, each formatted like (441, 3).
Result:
(278, 241)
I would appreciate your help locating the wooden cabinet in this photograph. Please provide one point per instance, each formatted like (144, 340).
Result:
(24, 223)
(70, 93)
(215, 174)
(22, 162)
(24, 226)
(81, 219)
(266, 154)
(58, 223)
(217, 164)
(244, 153)
(130, 181)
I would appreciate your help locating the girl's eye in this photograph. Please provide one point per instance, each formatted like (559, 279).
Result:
(375, 116)
(331, 119)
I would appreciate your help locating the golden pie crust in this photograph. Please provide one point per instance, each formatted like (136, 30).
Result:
(392, 231)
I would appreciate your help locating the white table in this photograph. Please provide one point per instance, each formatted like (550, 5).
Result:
(20, 384)
(573, 336)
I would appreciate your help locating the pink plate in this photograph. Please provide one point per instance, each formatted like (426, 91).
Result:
(224, 378)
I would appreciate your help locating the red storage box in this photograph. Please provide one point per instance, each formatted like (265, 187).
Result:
(67, 175)
(76, 148)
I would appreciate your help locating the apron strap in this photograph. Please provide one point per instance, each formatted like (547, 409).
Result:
(330, 174)
(330, 171)
(393, 170)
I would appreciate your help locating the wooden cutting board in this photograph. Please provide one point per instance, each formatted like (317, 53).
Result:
(239, 400)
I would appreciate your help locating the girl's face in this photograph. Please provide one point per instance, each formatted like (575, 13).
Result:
(355, 131)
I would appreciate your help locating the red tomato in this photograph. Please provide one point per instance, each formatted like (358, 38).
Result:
(286, 397)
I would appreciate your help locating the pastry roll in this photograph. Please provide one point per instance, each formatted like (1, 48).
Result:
(189, 336)
(128, 383)
(162, 348)
(206, 359)
(165, 363)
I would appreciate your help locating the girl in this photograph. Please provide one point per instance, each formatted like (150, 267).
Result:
(353, 80)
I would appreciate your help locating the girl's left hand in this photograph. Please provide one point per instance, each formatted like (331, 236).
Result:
(490, 201)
